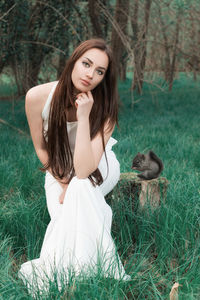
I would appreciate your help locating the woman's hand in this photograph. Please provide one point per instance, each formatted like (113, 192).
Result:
(62, 195)
(83, 105)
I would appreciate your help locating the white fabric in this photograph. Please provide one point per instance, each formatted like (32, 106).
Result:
(79, 233)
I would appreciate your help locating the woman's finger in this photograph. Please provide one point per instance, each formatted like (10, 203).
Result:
(82, 95)
(89, 94)
(77, 102)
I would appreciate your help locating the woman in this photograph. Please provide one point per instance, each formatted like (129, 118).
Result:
(71, 122)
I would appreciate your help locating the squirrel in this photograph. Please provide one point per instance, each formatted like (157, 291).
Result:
(150, 165)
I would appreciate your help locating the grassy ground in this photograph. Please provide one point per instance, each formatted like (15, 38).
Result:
(159, 247)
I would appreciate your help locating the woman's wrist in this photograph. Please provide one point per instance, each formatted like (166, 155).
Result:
(83, 120)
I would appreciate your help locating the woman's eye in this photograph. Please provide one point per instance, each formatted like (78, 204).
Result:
(99, 72)
(86, 64)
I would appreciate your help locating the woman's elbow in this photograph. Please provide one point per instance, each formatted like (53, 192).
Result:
(83, 174)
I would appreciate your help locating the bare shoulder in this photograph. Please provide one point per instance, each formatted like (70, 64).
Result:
(37, 95)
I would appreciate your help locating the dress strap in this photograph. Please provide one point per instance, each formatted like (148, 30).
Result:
(111, 142)
(45, 112)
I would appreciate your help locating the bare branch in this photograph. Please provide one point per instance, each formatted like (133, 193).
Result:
(63, 17)
(43, 44)
(13, 127)
(6, 13)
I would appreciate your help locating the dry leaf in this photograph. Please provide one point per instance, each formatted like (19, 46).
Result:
(174, 292)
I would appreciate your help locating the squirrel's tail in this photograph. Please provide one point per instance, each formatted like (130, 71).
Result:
(157, 159)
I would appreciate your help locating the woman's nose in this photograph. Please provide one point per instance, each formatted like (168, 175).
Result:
(90, 73)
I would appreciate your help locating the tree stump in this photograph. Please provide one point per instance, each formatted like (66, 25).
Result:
(149, 192)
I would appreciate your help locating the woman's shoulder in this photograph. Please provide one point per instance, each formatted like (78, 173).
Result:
(37, 95)
(40, 92)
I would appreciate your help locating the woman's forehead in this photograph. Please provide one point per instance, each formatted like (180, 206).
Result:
(97, 57)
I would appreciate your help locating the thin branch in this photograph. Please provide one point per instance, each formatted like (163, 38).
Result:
(63, 17)
(6, 13)
(43, 44)
(15, 128)
(155, 84)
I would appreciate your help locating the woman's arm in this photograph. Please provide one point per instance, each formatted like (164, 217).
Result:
(87, 153)
(35, 100)
(33, 107)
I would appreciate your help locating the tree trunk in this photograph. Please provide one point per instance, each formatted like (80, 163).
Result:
(26, 72)
(134, 23)
(166, 47)
(15, 69)
(41, 32)
(94, 17)
(121, 18)
(140, 46)
(2, 65)
(61, 64)
(106, 27)
(174, 55)
(122, 71)
(144, 45)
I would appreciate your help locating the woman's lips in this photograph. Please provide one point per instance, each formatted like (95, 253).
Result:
(85, 82)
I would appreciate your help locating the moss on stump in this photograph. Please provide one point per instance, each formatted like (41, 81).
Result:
(147, 191)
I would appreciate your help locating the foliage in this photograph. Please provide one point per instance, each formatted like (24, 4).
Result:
(33, 30)
(160, 36)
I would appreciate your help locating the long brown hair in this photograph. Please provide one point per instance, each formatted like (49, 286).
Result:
(104, 109)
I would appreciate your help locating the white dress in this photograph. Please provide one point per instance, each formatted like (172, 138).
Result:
(78, 238)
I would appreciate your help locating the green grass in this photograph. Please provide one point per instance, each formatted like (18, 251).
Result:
(158, 247)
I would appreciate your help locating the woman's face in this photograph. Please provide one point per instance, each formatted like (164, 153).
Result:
(89, 70)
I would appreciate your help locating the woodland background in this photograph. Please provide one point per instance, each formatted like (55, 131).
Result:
(148, 37)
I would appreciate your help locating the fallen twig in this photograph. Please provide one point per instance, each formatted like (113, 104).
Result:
(15, 128)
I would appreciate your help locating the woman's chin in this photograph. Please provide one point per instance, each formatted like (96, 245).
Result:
(83, 89)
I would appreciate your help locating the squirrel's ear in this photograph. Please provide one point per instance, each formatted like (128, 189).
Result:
(151, 152)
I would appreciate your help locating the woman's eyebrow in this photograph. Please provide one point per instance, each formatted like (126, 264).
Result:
(92, 63)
